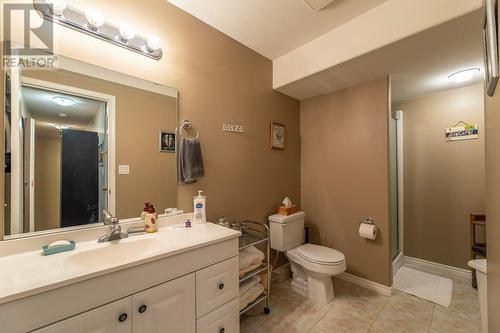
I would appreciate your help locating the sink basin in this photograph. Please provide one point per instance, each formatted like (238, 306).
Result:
(113, 253)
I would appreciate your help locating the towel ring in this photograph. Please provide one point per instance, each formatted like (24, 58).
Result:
(187, 125)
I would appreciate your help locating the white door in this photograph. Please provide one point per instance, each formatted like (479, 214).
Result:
(167, 308)
(111, 318)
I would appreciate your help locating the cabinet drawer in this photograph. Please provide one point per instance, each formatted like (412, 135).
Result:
(216, 285)
(225, 319)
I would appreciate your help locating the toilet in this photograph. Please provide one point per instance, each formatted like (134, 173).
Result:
(313, 266)
(480, 265)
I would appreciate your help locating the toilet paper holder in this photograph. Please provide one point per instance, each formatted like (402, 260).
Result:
(369, 220)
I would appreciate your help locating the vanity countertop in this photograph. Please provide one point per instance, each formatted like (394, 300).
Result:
(30, 273)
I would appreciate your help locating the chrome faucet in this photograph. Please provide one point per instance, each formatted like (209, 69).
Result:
(114, 231)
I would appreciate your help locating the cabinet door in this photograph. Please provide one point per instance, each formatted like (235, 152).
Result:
(111, 318)
(169, 307)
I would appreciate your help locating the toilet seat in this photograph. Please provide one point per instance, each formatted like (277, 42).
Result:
(314, 267)
(320, 254)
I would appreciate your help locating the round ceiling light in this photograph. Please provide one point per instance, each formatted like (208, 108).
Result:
(60, 126)
(64, 101)
(464, 75)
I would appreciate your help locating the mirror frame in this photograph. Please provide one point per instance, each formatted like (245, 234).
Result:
(80, 67)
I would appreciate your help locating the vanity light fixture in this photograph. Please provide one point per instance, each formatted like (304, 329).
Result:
(464, 75)
(64, 101)
(58, 7)
(92, 22)
(95, 18)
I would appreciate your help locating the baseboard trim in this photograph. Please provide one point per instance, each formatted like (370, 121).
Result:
(371, 285)
(397, 263)
(430, 267)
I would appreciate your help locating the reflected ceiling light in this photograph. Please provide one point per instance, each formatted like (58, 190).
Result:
(464, 75)
(64, 115)
(60, 126)
(64, 101)
(58, 6)
(95, 18)
(127, 32)
(153, 43)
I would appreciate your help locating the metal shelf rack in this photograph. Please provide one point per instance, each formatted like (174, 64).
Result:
(256, 233)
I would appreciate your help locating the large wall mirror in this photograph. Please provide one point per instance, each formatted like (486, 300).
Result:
(80, 139)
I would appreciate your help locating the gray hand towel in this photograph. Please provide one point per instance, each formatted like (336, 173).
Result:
(189, 161)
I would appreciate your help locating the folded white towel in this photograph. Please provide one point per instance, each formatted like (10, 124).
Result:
(250, 256)
(249, 284)
(251, 295)
(250, 268)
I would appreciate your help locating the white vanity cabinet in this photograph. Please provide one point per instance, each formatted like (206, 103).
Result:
(188, 292)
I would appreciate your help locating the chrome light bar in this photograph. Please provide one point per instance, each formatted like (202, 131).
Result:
(80, 21)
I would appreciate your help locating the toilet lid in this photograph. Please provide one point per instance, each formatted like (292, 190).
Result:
(320, 254)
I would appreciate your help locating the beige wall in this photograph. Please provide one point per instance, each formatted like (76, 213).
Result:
(492, 122)
(345, 174)
(444, 181)
(219, 81)
(47, 182)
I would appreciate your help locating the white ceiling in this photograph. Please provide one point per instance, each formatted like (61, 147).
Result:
(45, 111)
(42, 107)
(418, 65)
(274, 27)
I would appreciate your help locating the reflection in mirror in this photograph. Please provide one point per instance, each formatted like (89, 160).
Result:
(81, 141)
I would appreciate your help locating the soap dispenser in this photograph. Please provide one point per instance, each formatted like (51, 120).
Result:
(199, 209)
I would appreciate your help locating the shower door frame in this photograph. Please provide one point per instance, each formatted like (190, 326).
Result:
(398, 259)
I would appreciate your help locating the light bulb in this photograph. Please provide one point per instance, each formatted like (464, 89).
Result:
(95, 18)
(127, 32)
(58, 7)
(154, 43)
(464, 75)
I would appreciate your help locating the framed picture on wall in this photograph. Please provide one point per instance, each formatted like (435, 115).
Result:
(490, 45)
(167, 142)
(278, 136)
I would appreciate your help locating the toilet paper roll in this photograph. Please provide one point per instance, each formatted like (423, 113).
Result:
(368, 231)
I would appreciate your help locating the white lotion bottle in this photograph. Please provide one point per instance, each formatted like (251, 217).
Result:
(199, 209)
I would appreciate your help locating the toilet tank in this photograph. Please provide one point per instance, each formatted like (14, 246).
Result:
(286, 232)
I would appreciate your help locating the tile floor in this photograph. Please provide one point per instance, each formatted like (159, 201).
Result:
(356, 309)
